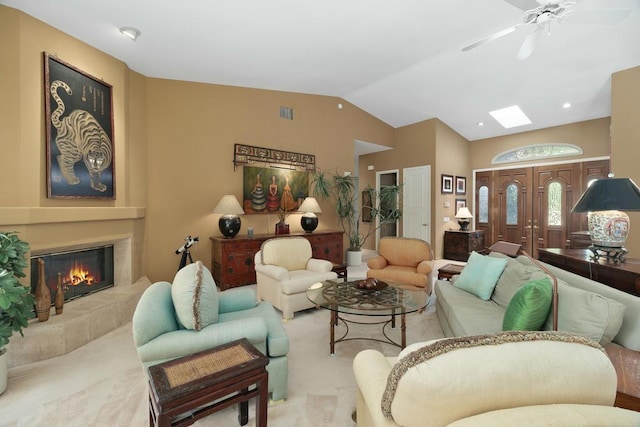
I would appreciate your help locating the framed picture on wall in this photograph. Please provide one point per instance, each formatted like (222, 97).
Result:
(460, 203)
(461, 185)
(447, 184)
(79, 133)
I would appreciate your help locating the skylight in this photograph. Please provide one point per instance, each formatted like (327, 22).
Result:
(510, 117)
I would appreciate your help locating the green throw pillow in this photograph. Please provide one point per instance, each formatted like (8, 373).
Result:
(480, 275)
(529, 307)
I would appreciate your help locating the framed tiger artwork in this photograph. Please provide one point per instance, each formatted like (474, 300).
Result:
(79, 135)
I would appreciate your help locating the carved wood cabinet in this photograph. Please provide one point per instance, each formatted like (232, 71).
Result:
(232, 259)
(458, 245)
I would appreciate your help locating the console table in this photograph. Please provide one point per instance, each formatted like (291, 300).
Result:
(623, 276)
(232, 259)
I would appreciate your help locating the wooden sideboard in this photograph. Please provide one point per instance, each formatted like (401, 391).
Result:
(623, 276)
(232, 259)
(458, 245)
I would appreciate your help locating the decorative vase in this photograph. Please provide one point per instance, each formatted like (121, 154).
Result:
(354, 257)
(282, 228)
(59, 302)
(42, 294)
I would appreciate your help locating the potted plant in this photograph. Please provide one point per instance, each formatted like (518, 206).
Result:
(16, 302)
(342, 189)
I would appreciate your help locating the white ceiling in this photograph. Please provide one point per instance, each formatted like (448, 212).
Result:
(399, 60)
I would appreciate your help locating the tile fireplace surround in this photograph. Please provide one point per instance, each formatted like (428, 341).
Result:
(83, 319)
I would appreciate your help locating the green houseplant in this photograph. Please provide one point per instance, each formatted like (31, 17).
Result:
(341, 188)
(16, 301)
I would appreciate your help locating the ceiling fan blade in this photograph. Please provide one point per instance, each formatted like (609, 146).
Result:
(492, 37)
(529, 44)
(598, 16)
(524, 4)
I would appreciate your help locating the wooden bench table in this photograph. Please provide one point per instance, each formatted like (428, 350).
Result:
(186, 389)
(627, 364)
(448, 271)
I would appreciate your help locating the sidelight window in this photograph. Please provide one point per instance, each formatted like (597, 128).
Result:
(554, 205)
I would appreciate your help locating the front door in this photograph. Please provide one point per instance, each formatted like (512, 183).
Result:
(532, 205)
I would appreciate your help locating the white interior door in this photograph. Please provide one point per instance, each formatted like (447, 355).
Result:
(416, 202)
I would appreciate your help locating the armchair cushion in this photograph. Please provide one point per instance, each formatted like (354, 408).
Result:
(195, 296)
(237, 299)
(425, 267)
(319, 265)
(439, 380)
(274, 271)
(377, 263)
(529, 307)
(292, 253)
(155, 314)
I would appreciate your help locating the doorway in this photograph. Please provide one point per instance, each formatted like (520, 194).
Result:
(386, 179)
(416, 202)
(531, 206)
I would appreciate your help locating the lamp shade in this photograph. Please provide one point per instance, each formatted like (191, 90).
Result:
(229, 223)
(228, 205)
(609, 194)
(464, 213)
(310, 204)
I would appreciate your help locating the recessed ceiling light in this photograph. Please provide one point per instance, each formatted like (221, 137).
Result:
(566, 105)
(130, 32)
(510, 117)
(480, 123)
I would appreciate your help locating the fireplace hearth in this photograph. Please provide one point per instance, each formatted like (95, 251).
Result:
(81, 272)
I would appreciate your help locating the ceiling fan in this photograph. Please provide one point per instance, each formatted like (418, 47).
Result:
(539, 14)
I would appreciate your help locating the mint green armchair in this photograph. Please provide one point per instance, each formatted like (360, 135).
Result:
(159, 334)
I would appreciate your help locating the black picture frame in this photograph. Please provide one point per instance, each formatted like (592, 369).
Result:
(446, 184)
(79, 133)
(461, 185)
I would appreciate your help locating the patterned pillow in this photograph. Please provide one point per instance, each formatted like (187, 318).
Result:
(195, 296)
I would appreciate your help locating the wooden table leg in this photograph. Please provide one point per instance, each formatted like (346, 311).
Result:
(262, 401)
(243, 409)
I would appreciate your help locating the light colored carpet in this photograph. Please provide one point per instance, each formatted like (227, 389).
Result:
(102, 383)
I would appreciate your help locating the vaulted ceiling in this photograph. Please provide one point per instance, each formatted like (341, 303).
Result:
(401, 61)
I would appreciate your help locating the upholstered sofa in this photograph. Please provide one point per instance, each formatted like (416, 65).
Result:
(189, 315)
(585, 307)
(506, 379)
(403, 260)
(285, 270)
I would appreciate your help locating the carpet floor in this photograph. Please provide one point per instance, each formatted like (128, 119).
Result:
(102, 383)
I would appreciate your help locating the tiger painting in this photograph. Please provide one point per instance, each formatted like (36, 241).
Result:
(80, 137)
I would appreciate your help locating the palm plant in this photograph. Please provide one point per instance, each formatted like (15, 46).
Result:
(343, 190)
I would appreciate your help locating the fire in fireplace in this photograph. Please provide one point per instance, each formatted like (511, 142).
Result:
(81, 272)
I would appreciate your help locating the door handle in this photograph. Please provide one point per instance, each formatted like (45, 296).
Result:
(425, 225)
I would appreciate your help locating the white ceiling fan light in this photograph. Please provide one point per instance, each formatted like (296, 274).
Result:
(539, 14)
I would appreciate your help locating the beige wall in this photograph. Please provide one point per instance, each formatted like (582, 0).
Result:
(592, 136)
(193, 128)
(625, 131)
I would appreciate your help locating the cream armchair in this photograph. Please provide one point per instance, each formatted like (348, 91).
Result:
(506, 379)
(284, 272)
(403, 260)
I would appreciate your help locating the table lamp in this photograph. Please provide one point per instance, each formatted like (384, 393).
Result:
(463, 216)
(309, 220)
(229, 222)
(604, 200)
(513, 250)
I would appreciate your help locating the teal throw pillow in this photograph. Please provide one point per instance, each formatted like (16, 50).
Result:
(480, 275)
(529, 307)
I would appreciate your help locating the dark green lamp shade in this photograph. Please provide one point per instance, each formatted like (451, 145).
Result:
(607, 194)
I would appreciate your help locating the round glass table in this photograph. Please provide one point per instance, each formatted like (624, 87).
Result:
(386, 300)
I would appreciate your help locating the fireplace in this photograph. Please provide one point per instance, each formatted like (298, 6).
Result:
(81, 272)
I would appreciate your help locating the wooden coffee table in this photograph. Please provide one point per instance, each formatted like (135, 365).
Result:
(184, 390)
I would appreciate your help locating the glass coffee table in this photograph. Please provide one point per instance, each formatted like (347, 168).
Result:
(386, 300)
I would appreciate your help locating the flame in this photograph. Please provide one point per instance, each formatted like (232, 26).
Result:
(80, 274)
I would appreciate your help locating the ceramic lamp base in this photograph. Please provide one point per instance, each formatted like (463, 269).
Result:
(229, 225)
(608, 228)
(309, 223)
(464, 225)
